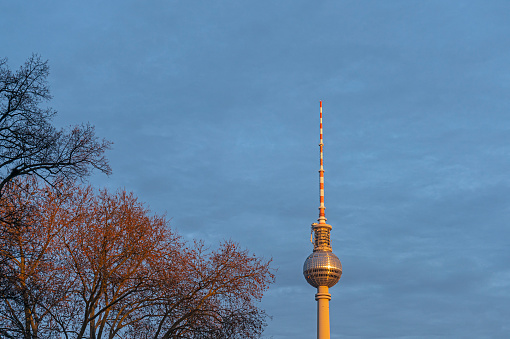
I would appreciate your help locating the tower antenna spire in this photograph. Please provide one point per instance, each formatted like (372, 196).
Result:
(322, 215)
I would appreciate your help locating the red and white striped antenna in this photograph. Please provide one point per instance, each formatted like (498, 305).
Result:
(322, 216)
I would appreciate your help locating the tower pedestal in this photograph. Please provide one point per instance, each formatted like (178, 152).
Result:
(323, 297)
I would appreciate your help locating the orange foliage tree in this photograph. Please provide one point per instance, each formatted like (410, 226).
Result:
(78, 265)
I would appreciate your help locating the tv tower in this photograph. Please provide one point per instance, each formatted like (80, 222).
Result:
(322, 269)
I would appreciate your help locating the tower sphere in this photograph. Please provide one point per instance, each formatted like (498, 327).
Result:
(322, 268)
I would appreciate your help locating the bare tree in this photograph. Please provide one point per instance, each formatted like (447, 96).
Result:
(29, 143)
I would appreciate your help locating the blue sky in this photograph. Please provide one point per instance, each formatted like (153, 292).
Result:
(213, 110)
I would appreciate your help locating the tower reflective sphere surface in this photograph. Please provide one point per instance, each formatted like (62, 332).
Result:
(322, 269)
